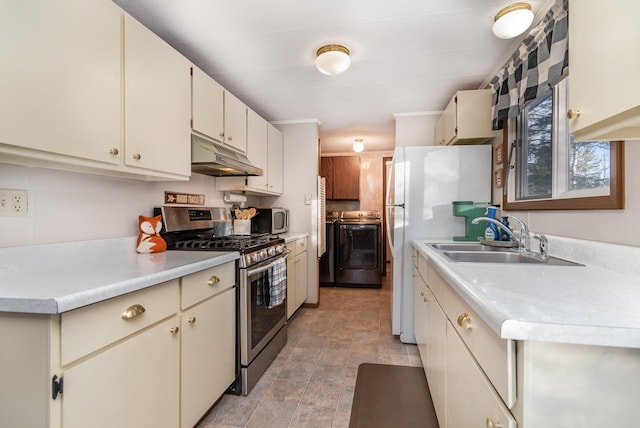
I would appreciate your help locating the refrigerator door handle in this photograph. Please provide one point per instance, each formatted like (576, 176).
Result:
(388, 226)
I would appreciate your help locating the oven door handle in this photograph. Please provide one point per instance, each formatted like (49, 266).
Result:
(264, 268)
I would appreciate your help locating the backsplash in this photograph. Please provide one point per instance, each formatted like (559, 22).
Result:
(68, 206)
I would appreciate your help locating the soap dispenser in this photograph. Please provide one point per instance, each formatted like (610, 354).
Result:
(491, 232)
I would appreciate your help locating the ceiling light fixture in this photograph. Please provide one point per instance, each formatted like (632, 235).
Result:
(358, 146)
(513, 20)
(333, 59)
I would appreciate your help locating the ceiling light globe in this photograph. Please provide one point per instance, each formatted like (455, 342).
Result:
(333, 59)
(513, 20)
(358, 146)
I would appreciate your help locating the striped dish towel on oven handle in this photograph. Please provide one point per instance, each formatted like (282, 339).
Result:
(277, 279)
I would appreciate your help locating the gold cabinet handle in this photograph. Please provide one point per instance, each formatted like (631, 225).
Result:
(213, 280)
(191, 320)
(464, 321)
(133, 311)
(427, 299)
(573, 113)
(137, 156)
(221, 134)
(114, 151)
(491, 424)
(174, 330)
(229, 138)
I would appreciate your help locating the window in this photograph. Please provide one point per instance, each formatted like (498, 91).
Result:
(551, 171)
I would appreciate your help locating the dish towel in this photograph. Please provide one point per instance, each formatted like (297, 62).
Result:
(277, 279)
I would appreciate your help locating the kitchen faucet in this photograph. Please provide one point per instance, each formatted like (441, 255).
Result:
(523, 241)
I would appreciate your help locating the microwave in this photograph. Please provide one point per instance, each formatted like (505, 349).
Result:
(270, 220)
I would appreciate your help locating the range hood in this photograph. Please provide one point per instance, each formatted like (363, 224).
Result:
(214, 159)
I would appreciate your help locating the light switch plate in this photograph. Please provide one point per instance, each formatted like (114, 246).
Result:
(307, 199)
(13, 203)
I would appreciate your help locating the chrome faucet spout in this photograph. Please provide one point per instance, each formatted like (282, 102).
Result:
(524, 242)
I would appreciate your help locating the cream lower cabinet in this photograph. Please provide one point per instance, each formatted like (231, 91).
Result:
(141, 359)
(208, 354)
(471, 399)
(297, 267)
(135, 383)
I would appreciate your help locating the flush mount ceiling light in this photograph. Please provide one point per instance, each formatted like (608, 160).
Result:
(333, 59)
(513, 20)
(358, 146)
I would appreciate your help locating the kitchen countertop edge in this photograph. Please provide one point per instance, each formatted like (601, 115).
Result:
(507, 323)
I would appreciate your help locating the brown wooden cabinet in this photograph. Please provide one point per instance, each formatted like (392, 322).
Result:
(342, 175)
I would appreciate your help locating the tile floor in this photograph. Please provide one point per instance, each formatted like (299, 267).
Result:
(311, 382)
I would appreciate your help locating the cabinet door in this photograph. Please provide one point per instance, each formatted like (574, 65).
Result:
(326, 171)
(449, 121)
(291, 285)
(275, 156)
(235, 122)
(437, 358)
(60, 74)
(301, 279)
(420, 317)
(208, 354)
(134, 384)
(257, 150)
(207, 105)
(157, 103)
(439, 140)
(603, 52)
(346, 181)
(471, 400)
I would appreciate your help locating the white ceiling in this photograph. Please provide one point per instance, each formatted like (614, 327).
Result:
(407, 56)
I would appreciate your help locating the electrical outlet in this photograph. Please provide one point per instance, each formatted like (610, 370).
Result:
(13, 203)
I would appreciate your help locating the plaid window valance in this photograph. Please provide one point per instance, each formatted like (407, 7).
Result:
(540, 61)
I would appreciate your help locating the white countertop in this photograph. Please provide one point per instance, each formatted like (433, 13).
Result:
(292, 236)
(589, 304)
(56, 278)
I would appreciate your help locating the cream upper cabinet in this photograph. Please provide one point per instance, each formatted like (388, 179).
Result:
(439, 140)
(265, 150)
(275, 158)
(207, 105)
(60, 79)
(467, 118)
(235, 122)
(157, 103)
(603, 56)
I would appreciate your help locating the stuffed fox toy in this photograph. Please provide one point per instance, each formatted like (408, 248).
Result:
(149, 239)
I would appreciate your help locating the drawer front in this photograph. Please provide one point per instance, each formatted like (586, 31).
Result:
(301, 245)
(201, 285)
(92, 327)
(496, 356)
(471, 399)
(422, 264)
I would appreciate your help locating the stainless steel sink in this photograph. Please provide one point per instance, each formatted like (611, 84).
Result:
(504, 256)
(467, 247)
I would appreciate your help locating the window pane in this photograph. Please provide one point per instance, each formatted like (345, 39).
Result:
(537, 180)
(589, 165)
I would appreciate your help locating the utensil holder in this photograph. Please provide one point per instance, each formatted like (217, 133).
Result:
(241, 227)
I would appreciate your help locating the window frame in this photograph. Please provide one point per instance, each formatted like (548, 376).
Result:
(614, 200)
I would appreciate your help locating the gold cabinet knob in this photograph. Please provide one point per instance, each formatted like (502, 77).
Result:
(174, 330)
(137, 156)
(113, 151)
(427, 299)
(221, 134)
(229, 138)
(213, 280)
(491, 424)
(191, 320)
(133, 311)
(573, 113)
(464, 321)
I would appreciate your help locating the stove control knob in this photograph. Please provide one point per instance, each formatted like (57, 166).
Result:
(271, 251)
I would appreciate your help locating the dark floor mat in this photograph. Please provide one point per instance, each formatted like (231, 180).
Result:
(391, 396)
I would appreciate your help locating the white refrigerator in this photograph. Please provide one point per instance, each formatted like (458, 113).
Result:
(422, 183)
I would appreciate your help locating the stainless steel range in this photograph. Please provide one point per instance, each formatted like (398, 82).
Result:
(262, 331)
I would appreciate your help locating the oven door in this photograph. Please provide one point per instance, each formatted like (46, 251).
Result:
(258, 324)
